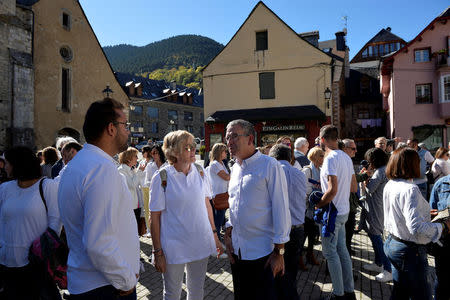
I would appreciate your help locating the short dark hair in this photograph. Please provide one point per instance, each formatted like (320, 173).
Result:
(281, 152)
(404, 163)
(72, 145)
(376, 157)
(25, 164)
(158, 148)
(329, 132)
(50, 155)
(147, 149)
(98, 116)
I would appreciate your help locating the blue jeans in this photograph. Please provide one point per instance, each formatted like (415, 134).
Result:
(339, 262)
(219, 218)
(409, 270)
(380, 256)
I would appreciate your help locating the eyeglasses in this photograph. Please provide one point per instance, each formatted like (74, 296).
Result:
(234, 136)
(125, 124)
(190, 148)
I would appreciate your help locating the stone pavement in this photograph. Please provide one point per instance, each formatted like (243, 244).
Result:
(312, 284)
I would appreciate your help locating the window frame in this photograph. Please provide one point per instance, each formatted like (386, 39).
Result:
(67, 26)
(187, 113)
(442, 88)
(430, 101)
(261, 46)
(422, 49)
(157, 112)
(169, 117)
(66, 89)
(262, 90)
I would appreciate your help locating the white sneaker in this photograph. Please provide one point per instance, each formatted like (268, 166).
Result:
(384, 276)
(373, 268)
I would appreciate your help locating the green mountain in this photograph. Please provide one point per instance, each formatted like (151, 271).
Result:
(190, 51)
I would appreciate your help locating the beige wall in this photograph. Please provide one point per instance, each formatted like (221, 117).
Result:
(90, 71)
(302, 72)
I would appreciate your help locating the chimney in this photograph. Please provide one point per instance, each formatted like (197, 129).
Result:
(340, 41)
(388, 29)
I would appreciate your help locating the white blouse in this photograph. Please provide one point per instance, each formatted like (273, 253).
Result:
(186, 233)
(218, 185)
(23, 219)
(133, 180)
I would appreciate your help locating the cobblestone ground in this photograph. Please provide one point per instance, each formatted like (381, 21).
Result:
(312, 284)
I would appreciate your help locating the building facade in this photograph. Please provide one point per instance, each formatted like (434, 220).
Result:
(272, 76)
(415, 84)
(362, 106)
(158, 107)
(16, 74)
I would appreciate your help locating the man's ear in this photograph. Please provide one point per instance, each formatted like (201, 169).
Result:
(251, 140)
(111, 129)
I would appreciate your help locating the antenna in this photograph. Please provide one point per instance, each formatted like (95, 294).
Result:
(345, 18)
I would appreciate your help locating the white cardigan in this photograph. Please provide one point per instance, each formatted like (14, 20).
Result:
(133, 179)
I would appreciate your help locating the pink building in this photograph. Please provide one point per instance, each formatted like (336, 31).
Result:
(415, 83)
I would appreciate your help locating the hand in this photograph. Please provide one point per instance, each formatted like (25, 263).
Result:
(229, 245)
(160, 262)
(433, 212)
(219, 247)
(142, 167)
(126, 293)
(276, 263)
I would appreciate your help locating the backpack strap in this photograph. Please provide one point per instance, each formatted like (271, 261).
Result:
(41, 191)
(163, 175)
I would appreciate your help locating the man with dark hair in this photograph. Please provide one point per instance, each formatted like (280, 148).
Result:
(95, 207)
(425, 159)
(337, 179)
(259, 221)
(296, 182)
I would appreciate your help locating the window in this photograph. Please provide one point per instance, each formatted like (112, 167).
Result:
(152, 112)
(445, 88)
(66, 21)
(364, 54)
(66, 53)
(188, 116)
(154, 127)
(375, 50)
(172, 127)
(370, 48)
(386, 48)
(267, 85)
(65, 90)
(137, 110)
(190, 128)
(172, 115)
(261, 41)
(423, 93)
(422, 55)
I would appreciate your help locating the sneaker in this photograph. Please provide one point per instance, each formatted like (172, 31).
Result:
(384, 276)
(350, 296)
(373, 268)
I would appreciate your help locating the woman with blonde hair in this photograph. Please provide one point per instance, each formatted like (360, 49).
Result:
(285, 140)
(134, 177)
(218, 177)
(182, 227)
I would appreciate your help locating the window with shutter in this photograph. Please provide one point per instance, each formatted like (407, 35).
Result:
(267, 85)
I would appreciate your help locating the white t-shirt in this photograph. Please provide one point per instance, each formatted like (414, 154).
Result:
(218, 185)
(186, 233)
(339, 164)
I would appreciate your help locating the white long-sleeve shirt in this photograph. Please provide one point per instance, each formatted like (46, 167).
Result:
(133, 179)
(259, 206)
(407, 214)
(96, 210)
(23, 219)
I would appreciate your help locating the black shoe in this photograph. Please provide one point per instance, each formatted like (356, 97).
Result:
(350, 296)
(332, 296)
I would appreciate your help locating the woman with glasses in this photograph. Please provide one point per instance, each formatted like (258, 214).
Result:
(441, 166)
(182, 227)
(407, 219)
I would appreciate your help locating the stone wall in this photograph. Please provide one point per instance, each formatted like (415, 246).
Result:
(7, 7)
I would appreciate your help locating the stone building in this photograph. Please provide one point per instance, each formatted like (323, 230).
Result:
(16, 74)
(158, 107)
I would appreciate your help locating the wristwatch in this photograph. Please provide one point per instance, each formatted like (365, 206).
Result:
(279, 251)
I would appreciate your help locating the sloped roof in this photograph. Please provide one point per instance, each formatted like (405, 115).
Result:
(155, 89)
(384, 35)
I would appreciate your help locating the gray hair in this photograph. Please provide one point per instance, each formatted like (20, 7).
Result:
(381, 138)
(281, 152)
(401, 145)
(348, 142)
(248, 127)
(300, 142)
(62, 140)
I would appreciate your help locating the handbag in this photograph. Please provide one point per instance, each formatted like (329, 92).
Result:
(220, 201)
(50, 252)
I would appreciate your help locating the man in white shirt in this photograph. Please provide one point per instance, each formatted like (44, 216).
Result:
(95, 207)
(296, 182)
(260, 221)
(337, 179)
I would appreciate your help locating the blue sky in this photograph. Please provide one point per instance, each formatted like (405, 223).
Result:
(140, 22)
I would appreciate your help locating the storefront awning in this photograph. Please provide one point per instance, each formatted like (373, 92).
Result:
(304, 112)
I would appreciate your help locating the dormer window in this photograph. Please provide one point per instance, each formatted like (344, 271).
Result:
(66, 21)
(261, 41)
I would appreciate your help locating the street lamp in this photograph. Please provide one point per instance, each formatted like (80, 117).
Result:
(327, 94)
(107, 91)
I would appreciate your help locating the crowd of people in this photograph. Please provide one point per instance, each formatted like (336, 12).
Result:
(101, 198)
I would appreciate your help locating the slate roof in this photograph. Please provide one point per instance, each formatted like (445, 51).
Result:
(154, 89)
(384, 36)
(304, 112)
(445, 13)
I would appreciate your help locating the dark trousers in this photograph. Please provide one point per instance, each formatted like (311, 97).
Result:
(409, 270)
(27, 283)
(442, 263)
(286, 286)
(350, 230)
(107, 292)
(251, 280)
(311, 233)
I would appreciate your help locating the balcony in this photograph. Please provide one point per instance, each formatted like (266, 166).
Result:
(442, 61)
